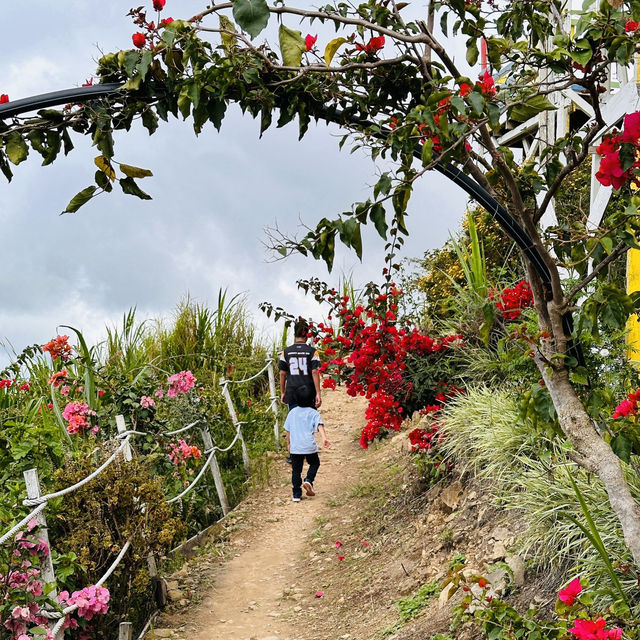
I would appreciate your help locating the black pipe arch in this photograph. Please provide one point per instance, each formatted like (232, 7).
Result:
(478, 193)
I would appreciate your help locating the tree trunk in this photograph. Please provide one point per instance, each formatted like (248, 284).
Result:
(594, 454)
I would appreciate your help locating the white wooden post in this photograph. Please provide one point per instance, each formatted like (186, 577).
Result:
(122, 428)
(215, 471)
(125, 631)
(47, 572)
(234, 419)
(274, 402)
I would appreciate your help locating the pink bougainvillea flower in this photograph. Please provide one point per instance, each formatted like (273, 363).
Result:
(594, 630)
(158, 5)
(146, 402)
(309, 41)
(338, 544)
(630, 26)
(631, 129)
(365, 543)
(319, 594)
(139, 40)
(569, 593)
(608, 145)
(4, 98)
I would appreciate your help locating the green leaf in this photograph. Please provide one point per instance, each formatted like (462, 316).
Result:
(80, 199)
(228, 42)
(477, 102)
(102, 180)
(129, 61)
(332, 48)
(16, 148)
(621, 446)
(292, 46)
(150, 121)
(251, 15)
(145, 62)
(4, 166)
(130, 187)
(427, 152)
(378, 216)
(134, 172)
(472, 51)
(532, 107)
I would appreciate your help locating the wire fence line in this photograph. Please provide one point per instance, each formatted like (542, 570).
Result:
(124, 436)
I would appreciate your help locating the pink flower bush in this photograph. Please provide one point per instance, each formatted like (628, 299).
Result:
(146, 402)
(180, 452)
(76, 414)
(91, 601)
(180, 382)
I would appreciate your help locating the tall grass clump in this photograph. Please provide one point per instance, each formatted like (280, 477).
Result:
(530, 474)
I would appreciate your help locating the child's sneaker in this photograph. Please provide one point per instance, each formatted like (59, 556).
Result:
(308, 488)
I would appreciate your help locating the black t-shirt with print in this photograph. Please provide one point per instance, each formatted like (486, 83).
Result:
(299, 361)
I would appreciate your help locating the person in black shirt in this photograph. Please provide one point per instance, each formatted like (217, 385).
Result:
(299, 365)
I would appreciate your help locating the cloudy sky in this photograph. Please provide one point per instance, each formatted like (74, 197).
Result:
(213, 195)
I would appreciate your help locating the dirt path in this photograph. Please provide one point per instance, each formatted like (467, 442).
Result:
(257, 594)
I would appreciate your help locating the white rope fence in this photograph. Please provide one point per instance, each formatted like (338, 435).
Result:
(35, 499)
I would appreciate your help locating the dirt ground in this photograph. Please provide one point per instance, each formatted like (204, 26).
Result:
(337, 565)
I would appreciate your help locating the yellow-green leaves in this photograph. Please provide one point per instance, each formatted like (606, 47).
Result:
(105, 166)
(292, 46)
(134, 172)
(16, 148)
(228, 41)
(80, 198)
(251, 15)
(332, 48)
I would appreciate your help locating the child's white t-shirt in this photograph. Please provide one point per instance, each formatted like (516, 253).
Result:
(302, 423)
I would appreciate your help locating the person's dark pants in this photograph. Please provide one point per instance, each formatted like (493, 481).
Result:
(297, 461)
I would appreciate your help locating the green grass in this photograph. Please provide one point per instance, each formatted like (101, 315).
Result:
(410, 607)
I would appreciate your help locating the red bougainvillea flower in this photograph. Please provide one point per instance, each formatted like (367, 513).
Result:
(631, 129)
(631, 26)
(482, 583)
(610, 173)
(139, 40)
(569, 593)
(309, 41)
(158, 5)
(465, 89)
(594, 630)
(340, 558)
(487, 85)
(319, 594)
(165, 21)
(4, 98)
(608, 145)
(375, 44)
(338, 544)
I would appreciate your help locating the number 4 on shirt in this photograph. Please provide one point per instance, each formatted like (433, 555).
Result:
(298, 366)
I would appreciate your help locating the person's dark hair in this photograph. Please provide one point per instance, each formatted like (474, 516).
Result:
(304, 396)
(301, 328)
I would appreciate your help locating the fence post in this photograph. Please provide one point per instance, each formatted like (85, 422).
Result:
(125, 631)
(47, 572)
(122, 427)
(274, 402)
(215, 471)
(234, 419)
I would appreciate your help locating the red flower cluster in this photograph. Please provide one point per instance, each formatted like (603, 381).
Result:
(6, 383)
(594, 630)
(514, 299)
(611, 172)
(158, 5)
(375, 44)
(377, 350)
(310, 41)
(58, 348)
(4, 98)
(630, 26)
(628, 407)
(570, 592)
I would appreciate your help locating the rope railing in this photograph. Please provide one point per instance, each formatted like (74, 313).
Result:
(124, 437)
